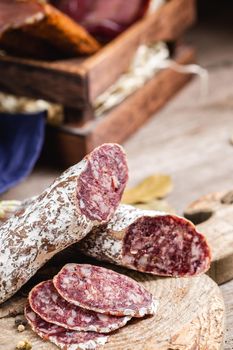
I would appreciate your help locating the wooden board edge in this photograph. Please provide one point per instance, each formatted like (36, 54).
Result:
(211, 213)
(221, 270)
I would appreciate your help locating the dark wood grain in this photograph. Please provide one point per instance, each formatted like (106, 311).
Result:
(13, 42)
(62, 147)
(72, 115)
(24, 77)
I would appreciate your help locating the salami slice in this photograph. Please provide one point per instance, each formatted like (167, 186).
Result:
(150, 241)
(103, 290)
(51, 307)
(63, 338)
(84, 196)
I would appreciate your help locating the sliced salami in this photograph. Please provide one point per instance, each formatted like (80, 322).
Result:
(63, 338)
(149, 241)
(102, 290)
(84, 196)
(51, 307)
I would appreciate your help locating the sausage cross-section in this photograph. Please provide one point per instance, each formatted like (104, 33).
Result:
(149, 241)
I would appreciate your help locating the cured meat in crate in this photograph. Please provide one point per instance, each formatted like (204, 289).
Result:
(105, 96)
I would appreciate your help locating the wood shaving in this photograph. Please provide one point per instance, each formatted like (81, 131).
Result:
(14, 104)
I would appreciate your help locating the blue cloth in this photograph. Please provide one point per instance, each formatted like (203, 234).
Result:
(21, 141)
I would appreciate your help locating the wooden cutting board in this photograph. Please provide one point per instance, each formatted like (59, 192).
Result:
(214, 215)
(227, 290)
(190, 317)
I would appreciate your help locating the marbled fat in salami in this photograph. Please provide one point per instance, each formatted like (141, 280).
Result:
(51, 307)
(102, 290)
(149, 241)
(84, 196)
(63, 338)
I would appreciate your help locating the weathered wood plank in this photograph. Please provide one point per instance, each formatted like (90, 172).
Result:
(218, 228)
(27, 78)
(227, 290)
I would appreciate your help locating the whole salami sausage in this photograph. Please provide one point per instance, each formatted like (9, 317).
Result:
(149, 241)
(105, 291)
(51, 307)
(84, 196)
(63, 338)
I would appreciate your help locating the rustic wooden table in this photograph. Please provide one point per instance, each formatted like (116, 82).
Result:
(189, 139)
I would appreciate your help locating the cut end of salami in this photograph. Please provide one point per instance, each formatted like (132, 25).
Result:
(64, 339)
(165, 245)
(101, 184)
(51, 307)
(102, 290)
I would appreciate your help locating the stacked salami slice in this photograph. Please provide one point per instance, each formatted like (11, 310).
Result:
(83, 303)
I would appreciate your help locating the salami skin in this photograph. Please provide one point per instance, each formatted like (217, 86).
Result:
(149, 241)
(63, 338)
(51, 307)
(44, 22)
(84, 196)
(102, 290)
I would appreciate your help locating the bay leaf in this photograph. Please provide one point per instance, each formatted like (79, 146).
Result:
(156, 204)
(153, 187)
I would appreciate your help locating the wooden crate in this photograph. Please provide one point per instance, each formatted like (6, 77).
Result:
(77, 82)
(73, 140)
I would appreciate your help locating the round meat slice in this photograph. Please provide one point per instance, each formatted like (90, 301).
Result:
(63, 338)
(102, 290)
(51, 307)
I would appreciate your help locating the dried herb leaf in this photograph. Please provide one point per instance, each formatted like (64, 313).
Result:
(156, 204)
(153, 187)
